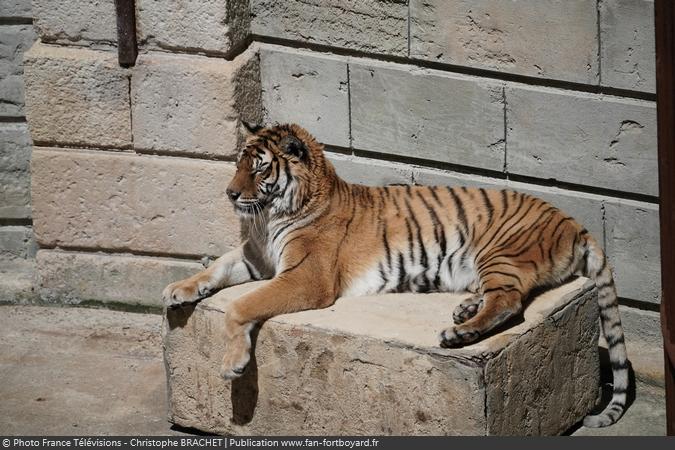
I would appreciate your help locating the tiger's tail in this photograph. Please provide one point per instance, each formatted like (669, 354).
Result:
(598, 270)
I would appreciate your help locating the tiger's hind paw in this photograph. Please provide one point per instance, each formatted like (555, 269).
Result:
(455, 337)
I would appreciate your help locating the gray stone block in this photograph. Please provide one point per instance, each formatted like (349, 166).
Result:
(15, 151)
(205, 26)
(17, 242)
(587, 139)
(549, 39)
(372, 366)
(375, 26)
(627, 39)
(75, 277)
(370, 172)
(132, 203)
(307, 88)
(193, 104)
(76, 22)
(14, 41)
(77, 97)
(632, 236)
(16, 9)
(419, 113)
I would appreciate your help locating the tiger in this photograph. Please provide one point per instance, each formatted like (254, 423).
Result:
(316, 237)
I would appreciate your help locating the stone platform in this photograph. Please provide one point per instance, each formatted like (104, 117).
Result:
(372, 365)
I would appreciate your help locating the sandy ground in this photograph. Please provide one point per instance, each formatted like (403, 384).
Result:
(80, 371)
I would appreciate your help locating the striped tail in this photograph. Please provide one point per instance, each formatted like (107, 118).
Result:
(598, 270)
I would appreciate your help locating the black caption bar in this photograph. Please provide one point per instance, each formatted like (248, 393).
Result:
(336, 443)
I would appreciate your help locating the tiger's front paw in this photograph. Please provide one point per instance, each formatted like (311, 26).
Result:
(185, 291)
(456, 337)
(236, 358)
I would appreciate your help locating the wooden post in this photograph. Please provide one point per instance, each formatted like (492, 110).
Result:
(664, 14)
(126, 32)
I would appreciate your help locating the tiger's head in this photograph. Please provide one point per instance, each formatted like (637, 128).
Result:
(282, 168)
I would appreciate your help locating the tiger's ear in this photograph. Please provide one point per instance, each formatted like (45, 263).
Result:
(293, 146)
(251, 128)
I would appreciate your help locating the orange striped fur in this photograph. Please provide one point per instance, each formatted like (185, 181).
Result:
(317, 237)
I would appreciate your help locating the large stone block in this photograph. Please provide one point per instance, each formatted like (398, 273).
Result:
(77, 97)
(16, 9)
(375, 26)
(14, 41)
(75, 277)
(132, 203)
(549, 39)
(193, 104)
(372, 366)
(632, 236)
(587, 139)
(76, 22)
(307, 88)
(216, 27)
(627, 44)
(427, 114)
(371, 172)
(15, 151)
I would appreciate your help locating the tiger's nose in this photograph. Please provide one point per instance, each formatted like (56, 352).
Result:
(234, 195)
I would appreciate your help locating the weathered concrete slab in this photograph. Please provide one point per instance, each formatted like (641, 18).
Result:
(372, 365)
(549, 39)
(374, 26)
(76, 277)
(14, 41)
(15, 151)
(587, 139)
(132, 203)
(77, 97)
(419, 113)
(206, 26)
(319, 83)
(76, 22)
(193, 104)
(633, 247)
(627, 40)
(78, 371)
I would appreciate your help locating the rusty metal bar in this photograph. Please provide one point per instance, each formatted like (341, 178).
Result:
(127, 49)
(664, 16)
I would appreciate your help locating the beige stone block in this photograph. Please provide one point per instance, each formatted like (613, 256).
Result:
(193, 104)
(542, 38)
(76, 22)
(372, 366)
(77, 277)
(132, 203)
(206, 26)
(77, 97)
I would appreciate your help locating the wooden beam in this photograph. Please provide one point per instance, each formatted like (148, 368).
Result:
(126, 32)
(664, 15)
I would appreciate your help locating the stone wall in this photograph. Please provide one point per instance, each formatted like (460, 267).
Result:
(17, 245)
(552, 97)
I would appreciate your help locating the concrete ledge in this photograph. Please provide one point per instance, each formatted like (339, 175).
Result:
(372, 365)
